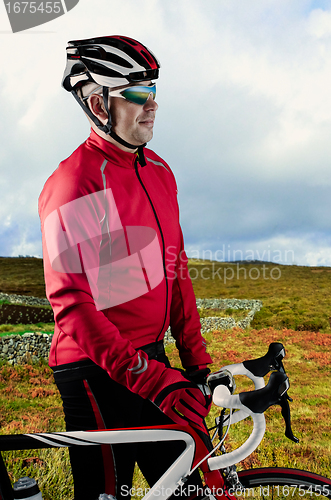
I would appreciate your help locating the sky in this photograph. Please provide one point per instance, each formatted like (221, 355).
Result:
(244, 120)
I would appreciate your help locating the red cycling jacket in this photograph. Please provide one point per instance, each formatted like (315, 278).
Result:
(115, 269)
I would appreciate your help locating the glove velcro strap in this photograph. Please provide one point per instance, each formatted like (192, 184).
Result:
(196, 368)
(197, 376)
(170, 388)
(189, 407)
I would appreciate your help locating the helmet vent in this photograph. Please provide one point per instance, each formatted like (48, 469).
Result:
(91, 52)
(128, 40)
(78, 68)
(99, 69)
(139, 76)
(103, 55)
(119, 61)
(148, 56)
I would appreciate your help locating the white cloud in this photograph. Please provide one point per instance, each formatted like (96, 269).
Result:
(244, 117)
(320, 24)
(285, 250)
(322, 257)
(25, 247)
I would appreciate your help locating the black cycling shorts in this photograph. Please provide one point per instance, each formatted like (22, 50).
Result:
(92, 400)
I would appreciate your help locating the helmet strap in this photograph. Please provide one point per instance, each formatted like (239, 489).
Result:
(107, 129)
(110, 131)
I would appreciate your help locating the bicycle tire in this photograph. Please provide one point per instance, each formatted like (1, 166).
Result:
(283, 483)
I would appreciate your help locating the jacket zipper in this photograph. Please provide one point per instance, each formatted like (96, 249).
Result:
(163, 244)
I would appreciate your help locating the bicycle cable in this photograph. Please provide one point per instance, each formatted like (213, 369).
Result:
(216, 447)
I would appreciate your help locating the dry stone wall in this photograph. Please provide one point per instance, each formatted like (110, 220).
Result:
(26, 348)
(33, 346)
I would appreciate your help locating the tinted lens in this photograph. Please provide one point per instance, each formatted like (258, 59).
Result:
(139, 94)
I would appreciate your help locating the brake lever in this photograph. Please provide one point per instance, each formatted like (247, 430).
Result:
(285, 398)
(270, 361)
(283, 401)
(273, 394)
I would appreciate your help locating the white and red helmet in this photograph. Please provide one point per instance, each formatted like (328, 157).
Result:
(110, 61)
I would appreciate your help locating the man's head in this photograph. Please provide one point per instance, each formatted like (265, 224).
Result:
(111, 78)
(132, 111)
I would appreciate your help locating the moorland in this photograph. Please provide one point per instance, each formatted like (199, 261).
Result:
(296, 311)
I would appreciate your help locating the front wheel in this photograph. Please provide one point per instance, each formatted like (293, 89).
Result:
(280, 483)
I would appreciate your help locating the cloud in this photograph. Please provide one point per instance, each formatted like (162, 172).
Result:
(244, 117)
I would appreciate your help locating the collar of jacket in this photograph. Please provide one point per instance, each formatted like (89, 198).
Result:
(110, 151)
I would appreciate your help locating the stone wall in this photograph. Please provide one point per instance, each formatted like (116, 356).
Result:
(31, 347)
(26, 348)
(216, 323)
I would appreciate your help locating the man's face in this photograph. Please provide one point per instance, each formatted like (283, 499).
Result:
(133, 122)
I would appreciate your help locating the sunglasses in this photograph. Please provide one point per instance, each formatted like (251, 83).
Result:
(138, 94)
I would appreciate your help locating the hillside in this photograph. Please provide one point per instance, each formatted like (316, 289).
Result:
(293, 297)
(296, 311)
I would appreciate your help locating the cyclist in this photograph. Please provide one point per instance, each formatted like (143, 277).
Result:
(116, 273)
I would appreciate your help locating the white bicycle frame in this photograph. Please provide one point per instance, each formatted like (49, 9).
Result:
(167, 484)
(182, 466)
(172, 478)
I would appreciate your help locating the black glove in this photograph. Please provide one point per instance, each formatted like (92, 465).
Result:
(197, 374)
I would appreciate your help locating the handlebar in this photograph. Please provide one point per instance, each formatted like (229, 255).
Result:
(255, 369)
(253, 403)
(223, 397)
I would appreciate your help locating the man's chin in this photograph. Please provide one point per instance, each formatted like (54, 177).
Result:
(146, 137)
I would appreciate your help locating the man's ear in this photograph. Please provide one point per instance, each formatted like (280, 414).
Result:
(97, 107)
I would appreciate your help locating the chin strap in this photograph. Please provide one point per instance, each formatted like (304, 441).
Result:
(107, 129)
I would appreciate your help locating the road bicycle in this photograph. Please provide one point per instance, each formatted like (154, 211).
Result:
(221, 478)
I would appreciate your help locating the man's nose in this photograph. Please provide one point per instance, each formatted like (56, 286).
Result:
(150, 104)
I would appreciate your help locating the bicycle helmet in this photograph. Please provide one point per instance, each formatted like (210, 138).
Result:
(109, 61)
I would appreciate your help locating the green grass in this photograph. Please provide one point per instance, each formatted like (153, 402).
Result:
(298, 299)
(22, 276)
(20, 329)
(295, 297)
(39, 306)
(30, 402)
(222, 313)
(296, 311)
(307, 363)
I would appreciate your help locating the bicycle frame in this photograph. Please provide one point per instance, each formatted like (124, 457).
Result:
(195, 451)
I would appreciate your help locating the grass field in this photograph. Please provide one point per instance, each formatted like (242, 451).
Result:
(294, 297)
(30, 402)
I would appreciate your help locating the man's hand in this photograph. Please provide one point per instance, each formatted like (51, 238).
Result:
(197, 374)
(180, 399)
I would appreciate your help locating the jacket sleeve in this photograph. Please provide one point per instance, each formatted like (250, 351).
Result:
(184, 316)
(70, 223)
